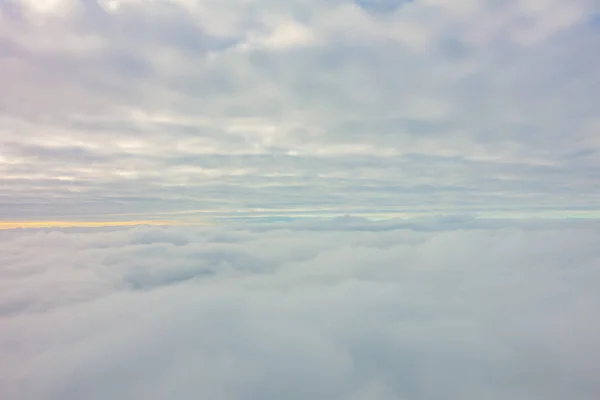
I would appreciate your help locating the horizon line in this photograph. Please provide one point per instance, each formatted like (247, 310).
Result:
(4, 225)
(59, 223)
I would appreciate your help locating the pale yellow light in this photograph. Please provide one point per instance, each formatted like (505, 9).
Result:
(85, 224)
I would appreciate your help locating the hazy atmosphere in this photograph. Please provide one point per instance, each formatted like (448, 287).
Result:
(299, 199)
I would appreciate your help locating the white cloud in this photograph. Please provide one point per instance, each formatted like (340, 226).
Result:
(341, 309)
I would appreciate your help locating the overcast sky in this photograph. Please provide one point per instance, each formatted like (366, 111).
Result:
(148, 108)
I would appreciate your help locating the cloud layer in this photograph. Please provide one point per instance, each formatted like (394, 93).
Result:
(123, 106)
(342, 309)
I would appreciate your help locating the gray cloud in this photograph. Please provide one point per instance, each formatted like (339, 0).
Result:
(343, 309)
(212, 104)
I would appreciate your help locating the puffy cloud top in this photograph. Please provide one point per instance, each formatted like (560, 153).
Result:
(345, 309)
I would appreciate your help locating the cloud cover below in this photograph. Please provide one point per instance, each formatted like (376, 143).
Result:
(451, 308)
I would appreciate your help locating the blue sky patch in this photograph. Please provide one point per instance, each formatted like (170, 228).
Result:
(381, 6)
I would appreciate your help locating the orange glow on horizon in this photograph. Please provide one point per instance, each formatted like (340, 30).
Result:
(87, 224)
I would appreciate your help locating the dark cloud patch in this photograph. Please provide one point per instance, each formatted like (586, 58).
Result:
(62, 154)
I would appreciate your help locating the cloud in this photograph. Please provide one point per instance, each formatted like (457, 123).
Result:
(337, 309)
(155, 107)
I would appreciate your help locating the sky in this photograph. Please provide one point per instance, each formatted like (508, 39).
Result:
(299, 199)
(191, 110)
(340, 309)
